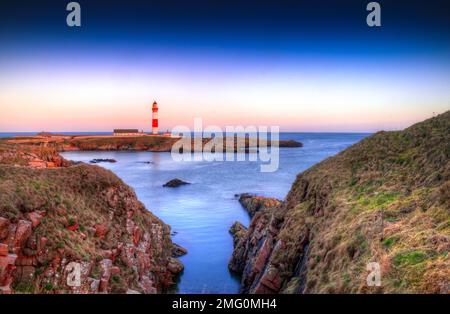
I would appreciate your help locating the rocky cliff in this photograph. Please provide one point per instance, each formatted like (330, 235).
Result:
(385, 200)
(76, 229)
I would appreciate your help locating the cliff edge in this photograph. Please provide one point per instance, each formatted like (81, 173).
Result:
(384, 200)
(67, 228)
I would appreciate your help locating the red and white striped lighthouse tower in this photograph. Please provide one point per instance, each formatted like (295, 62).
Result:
(155, 118)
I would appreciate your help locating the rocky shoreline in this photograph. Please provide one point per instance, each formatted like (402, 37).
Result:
(110, 143)
(253, 245)
(57, 218)
(383, 200)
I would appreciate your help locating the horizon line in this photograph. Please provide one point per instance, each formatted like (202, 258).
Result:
(93, 132)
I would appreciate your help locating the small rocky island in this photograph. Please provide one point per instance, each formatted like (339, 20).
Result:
(174, 183)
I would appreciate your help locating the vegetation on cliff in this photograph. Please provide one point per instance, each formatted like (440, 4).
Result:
(152, 143)
(385, 199)
(65, 213)
(136, 143)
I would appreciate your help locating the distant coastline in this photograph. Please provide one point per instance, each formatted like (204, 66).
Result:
(282, 134)
(154, 143)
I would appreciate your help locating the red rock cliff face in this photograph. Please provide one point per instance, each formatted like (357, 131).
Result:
(253, 246)
(79, 229)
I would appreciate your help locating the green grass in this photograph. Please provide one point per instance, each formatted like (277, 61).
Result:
(377, 201)
(409, 258)
(399, 177)
(387, 243)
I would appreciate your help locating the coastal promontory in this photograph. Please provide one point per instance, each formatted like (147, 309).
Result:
(76, 228)
(381, 205)
(158, 143)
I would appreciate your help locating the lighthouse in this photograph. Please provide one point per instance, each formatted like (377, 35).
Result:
(155, 118)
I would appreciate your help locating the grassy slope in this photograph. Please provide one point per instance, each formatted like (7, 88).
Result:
(85, 195)
(124, 143)
(386, 200)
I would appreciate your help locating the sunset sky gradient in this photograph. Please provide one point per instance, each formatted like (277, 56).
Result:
(296, 64)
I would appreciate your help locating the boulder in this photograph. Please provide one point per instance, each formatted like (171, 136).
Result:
(175, 183)
(175, 266)
(35, 218)
(238, 231)
(178, 250)
(23, 231)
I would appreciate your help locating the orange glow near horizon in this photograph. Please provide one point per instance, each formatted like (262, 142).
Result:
(54, 101)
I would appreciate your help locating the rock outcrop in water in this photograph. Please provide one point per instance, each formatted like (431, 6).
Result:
(69, 218)
(253, 203)
(178, 250)
(100, 160)
(174, 183)
(238, 231)
(384, 200)
(290, 143)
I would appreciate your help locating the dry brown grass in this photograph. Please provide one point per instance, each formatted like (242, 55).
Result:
(84, 195)
(385, 200)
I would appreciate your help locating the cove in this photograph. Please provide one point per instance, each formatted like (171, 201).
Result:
(200, 214)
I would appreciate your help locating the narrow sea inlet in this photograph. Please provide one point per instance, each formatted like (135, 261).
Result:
(201, 213)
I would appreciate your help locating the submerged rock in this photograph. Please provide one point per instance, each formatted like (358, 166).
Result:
(99, 160)
(175, 183)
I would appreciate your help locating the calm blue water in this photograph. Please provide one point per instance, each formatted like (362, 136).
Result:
(202, 213)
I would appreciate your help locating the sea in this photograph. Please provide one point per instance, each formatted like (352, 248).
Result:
(200, 214)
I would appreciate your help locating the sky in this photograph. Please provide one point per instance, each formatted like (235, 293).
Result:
(312, 66)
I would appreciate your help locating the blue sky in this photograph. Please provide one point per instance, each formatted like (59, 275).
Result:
(302, 65)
